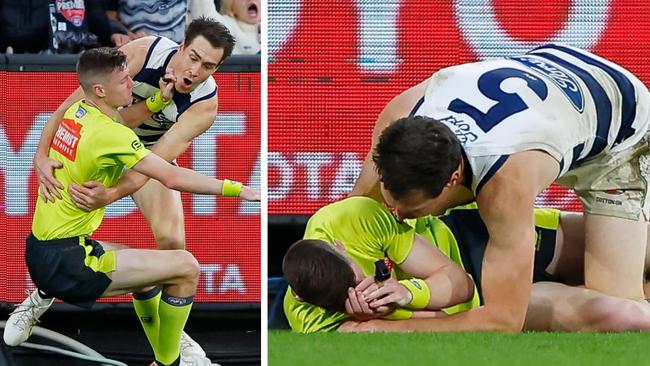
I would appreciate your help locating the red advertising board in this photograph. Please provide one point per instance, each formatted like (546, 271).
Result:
(334, 65)
(222, 233)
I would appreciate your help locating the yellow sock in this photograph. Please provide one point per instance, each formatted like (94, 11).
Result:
(173, 312)
(146, 307)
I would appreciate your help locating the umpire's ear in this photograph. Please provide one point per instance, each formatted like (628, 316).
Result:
(297, 297)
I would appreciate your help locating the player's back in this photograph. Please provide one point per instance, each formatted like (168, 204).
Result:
(567, 102)
(90, 146)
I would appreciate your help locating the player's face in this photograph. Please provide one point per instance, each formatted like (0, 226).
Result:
(118, 88)
(247, 11)
(416, 204)
(198, 61)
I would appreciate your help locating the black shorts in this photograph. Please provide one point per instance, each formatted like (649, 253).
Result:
(472, 237)
(70, 269)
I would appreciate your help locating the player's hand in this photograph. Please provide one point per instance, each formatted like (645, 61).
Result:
(166, 84)
(47, 184)
(250, 194)
(91, 196)
(358, 306)
(390, 292)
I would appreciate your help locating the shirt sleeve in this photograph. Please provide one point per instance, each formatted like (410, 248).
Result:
(119, 143)
(375, 221)
(304, 317)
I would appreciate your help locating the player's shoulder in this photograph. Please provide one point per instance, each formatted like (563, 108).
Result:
(356, 205)
(139, 50)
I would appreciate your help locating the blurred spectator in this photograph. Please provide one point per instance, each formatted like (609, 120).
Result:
(109, 31)
(69, 27)
(24, 25)
(166, 18)
(242, 17)
(64, 26)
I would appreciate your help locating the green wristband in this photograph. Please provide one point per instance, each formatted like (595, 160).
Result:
(230, 188)
(420, 291)
(155, 103)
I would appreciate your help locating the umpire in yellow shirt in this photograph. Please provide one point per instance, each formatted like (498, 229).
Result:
(64, 262)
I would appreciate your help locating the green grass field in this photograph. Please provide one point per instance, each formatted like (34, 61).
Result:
(479, 349)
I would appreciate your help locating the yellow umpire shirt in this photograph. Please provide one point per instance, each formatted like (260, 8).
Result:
(91, 146)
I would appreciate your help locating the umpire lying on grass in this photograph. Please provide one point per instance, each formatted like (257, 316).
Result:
(432, 267)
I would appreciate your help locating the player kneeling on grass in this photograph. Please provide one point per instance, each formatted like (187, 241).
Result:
(64, 262)
(436, 270)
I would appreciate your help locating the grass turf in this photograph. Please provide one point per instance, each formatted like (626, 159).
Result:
(480, 349)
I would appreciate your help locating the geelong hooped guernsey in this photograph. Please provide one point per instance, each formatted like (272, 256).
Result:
(90, 146)
(146, 85)
(567, 102)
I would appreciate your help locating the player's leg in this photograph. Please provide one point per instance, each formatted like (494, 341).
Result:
(615, 255)
(22, 320)
(163, 209)
(558, 307)
(178, 272)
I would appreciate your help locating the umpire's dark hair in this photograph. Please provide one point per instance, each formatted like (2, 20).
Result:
(94, 64)
(216, 33)
(318, 273)
(416, 153)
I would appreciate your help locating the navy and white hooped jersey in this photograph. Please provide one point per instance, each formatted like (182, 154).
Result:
(567, 102)
(146, 85)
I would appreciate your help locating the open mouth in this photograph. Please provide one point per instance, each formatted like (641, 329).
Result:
(187, 81)
(253, 11)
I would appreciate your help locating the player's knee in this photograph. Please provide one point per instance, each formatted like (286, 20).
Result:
(190, 268)
(616, 315)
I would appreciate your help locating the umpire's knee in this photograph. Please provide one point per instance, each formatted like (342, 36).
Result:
(189, 266)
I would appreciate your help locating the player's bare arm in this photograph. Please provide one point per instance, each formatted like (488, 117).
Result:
(195, 121)
(368, 182)
(186, 180)
(506, 205)
(448, 283)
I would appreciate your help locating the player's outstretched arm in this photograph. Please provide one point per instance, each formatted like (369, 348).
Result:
(196, 120)
(187, 180)
(368, 182)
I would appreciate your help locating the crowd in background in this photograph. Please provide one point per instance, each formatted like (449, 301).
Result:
(71, 26)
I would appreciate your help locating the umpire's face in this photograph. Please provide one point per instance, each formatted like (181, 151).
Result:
(118, 87)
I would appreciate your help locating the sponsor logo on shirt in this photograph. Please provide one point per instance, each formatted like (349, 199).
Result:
(567, 83)
(80, 112)
(136, 145)
(461, 129)
(67, 138)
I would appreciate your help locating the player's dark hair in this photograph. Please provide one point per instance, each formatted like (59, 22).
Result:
(95, 64)
(216, 33)
(416, 153)
(318, 273)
